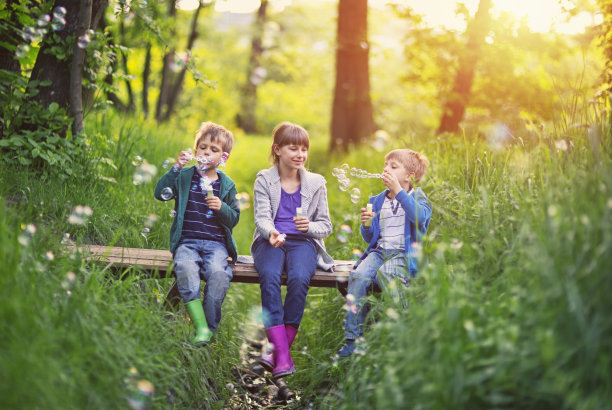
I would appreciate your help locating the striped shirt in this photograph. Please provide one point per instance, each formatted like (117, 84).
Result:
(392, 219)
(200, 221)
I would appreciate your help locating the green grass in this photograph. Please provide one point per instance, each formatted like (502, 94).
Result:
(510, 310)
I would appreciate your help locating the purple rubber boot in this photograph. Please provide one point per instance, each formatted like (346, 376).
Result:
(267, 359)
(282, 358)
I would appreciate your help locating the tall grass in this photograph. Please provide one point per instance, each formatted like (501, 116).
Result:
(510, 308)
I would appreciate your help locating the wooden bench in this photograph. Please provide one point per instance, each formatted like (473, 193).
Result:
(160, 262)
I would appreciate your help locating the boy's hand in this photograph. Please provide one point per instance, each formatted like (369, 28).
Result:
(275, 240)
(391, 182)
(301, 223)
(366, 216)
(183, 158)
(213, 202)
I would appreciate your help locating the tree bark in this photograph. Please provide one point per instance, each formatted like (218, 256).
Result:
(248, 103)
(459, 97)
(145, 81)
(124, 59)
(76, 69)
(164, 89)
(352, 116)
(175, 90)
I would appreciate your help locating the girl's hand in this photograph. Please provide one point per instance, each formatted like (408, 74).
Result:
(213, 202)
(391, 182)
(275, 240)
(366, 216)
(301, 223)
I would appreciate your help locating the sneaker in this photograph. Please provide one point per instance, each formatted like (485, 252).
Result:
(347, 350)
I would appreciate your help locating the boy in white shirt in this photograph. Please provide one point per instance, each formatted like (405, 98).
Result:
(399, 218)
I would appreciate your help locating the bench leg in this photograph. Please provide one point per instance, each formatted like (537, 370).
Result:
(173, 299)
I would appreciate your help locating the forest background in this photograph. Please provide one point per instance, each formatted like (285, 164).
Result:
(510, 308)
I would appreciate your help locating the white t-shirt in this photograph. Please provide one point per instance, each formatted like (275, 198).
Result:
(392, 220)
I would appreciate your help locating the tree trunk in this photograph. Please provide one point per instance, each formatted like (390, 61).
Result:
(145, 82)
(454, 107)
(352, 117)
(124, 59)
(248, 103)
(164, 89)
(76, 69)
(57, 73)
(10, 36)
(175, 90)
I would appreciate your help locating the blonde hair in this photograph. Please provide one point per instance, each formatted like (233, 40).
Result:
(288, 133)
(414, 162)
(216, 133)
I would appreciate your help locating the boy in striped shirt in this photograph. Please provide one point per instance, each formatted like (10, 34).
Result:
(399, 218)
(201, 234)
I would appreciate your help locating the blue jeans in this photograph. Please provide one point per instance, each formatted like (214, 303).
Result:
(197, 259)
(376, 266)
(298, 257)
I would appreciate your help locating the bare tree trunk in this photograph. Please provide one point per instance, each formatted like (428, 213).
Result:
(145, 82)
(76, 69)
(352, 117)
(124, 58)
(164, 89)
(454, 107)
(175, 90)
(248, 103)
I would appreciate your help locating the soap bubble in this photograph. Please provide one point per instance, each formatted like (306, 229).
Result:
(145, 232)
(344, 233)
(29, 34)
(144, 173)
(356, 254)
(49, 256)
(223, 161)
(43, 20)
(172, 213)
(80, 214)
(381, 139)
(344, 184)
(167, 162)
(137, 160)
(66, 239)
(22, 50)
(139, 391)
(150, 221)
(244, 200)
(59, 12)
(209, 214)
(58, 23)
(83, 41)
(258, 75)
(355, 195)
(27, 232)
(167, 193)
(68, 280)
(185, 157)
(351, 306)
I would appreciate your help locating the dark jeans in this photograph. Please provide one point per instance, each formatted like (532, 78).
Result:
(298, 257)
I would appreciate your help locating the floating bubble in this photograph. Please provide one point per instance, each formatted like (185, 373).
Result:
(29, 34)
(351, 306)
(66, 239)
(83, 41)
(344, 184)
(43, 20)
(244, 200)
(27, 233)
(381, 139)
(167, 193)
(258, 75)
(58, 23)
(172, 213)
(139, 391)
(22, 50)
(209, 214)
(355, 195)
(80, 215)
(68, 280)
(151, 219)
(185, 157)
(137, 178)
(145, 232)
(167, 162)
(204, 163)
(344, 233)
(49, 256)
(356, 254)
(223, 161)
(137, 160)
(194, 187)
(59, 12)
(144, 173)
(498, 135)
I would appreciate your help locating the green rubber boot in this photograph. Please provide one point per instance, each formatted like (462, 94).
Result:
(196, 313)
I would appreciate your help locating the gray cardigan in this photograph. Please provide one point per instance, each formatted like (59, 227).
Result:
(267, 193)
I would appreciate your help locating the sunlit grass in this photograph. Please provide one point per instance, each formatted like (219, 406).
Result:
(510, 308)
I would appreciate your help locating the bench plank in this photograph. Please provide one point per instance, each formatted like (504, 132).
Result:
(158, 260)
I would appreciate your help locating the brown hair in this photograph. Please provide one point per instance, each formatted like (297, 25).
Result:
(287, 133)
(414, 162)
(216, 133)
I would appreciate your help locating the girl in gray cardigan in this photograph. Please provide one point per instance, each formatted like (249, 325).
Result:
(291, 220)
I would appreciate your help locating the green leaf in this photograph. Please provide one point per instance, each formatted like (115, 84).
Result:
(53, 107)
